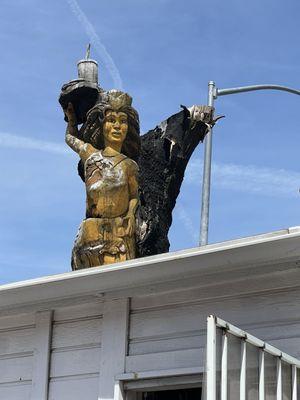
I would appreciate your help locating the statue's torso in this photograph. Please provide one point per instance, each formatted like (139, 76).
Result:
(107, 185)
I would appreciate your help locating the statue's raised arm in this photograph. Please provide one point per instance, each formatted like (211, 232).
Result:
(84, 150)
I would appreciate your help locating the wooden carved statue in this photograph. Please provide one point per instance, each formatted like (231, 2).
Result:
(132, 182)
(107, 235)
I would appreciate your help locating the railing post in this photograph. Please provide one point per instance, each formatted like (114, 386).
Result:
(294, 382)
(211, 358)
(279, 379)
(261, 384)
(224, 366)
(243, 370)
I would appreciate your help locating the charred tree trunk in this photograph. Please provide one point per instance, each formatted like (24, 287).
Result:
(165, 153)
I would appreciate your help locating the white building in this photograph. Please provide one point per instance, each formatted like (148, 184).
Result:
(139, 327)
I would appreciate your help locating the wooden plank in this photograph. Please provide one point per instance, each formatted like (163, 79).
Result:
(167, 360)
(40, 374)
(16, 340)
(16, 392)
(74, 388)
(167, 321)
(91, 309)
(17, 321)
(167, 343)
(75, 362)
(16, 369)
(77, 332)
(113, 345)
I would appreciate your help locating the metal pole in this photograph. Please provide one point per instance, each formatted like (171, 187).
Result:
(207, 173)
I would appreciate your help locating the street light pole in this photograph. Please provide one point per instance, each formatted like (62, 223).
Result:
(214, 93)
(207, 172)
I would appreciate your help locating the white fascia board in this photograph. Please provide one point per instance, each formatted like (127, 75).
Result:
(220, 257)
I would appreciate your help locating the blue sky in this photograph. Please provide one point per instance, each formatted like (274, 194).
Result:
(163, 52)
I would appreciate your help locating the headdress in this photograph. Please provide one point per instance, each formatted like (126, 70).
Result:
(116, 99)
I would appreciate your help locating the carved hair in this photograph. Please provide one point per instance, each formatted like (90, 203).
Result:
(92, 130)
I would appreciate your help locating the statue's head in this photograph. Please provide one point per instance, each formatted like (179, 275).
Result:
(113, 110)
(115, 128)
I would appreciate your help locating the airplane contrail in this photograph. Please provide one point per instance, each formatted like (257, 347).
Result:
(99, 46)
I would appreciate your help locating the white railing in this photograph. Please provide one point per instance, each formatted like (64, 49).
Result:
(240, 366)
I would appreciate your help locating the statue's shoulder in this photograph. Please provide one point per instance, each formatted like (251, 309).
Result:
(130, 164)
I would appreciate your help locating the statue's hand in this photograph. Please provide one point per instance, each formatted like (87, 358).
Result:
(204, 114)
(201, 113)
(70, 113)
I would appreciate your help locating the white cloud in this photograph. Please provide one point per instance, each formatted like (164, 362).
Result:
(95, 40)
(27, 143)
(248, 178)
(187, 222)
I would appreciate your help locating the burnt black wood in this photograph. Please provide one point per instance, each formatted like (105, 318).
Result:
(165, 152)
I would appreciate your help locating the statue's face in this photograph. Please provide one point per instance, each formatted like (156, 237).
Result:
(115, 128)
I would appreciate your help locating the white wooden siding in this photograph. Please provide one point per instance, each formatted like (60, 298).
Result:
(16, 356)
(77, 332)
(74, 338)
(16, 369)
(169, 329)
(75, 352)
(166, 332)
(21, 391)
(74, 388)
(16, 340)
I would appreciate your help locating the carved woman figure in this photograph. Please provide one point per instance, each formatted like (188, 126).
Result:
(108, 143)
